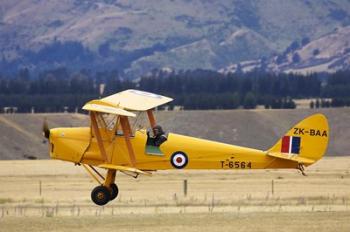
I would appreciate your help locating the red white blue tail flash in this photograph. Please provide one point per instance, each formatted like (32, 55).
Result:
(290, 144)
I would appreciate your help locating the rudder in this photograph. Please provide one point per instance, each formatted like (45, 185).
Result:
(307, 139)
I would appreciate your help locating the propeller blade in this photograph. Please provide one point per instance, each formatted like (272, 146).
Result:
(46, 129)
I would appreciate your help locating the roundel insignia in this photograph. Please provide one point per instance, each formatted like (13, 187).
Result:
(179, 160)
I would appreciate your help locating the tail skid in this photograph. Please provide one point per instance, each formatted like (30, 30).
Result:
(301, 168)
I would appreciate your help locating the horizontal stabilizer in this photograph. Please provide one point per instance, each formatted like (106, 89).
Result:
(124, 169)
(292, 157)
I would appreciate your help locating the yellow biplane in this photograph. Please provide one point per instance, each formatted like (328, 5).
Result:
(113, 144)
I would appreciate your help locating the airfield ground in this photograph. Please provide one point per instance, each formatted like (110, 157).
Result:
(49, 195)
(43, 195)
(216, 222)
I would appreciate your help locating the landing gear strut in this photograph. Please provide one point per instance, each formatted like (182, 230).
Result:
(107, 190)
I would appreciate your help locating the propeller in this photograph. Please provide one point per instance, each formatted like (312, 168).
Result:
(46, 129)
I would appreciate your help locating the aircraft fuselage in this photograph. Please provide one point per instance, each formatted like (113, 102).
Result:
(78, 145)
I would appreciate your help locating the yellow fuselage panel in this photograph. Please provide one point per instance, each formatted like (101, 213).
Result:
(69, 144)
(76, 145)
(205, 154)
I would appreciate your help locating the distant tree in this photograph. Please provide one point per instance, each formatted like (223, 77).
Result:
(249, 101)
(292, 47)
(324, 103)
(296, 58)
(280, 59)
(317, 104)
(195, 89)
(312, 104)
(305, 41)
(337, 102)
(24, 74)
(239, 69)
(338, 14)
(246, 85)
(316, 51)
(289, 104)
(104, 49)
(263, 64)
(327, 104)
(276, 104)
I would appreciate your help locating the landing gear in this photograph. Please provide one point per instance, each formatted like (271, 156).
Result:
(107, 190)
(100, 195)
(114, 191)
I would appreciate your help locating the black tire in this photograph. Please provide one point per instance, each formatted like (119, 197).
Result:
(100, 195)
(114, 191)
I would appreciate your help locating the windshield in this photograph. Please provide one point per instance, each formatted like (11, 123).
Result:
(111, 122)
(107, 121)
(139, 122)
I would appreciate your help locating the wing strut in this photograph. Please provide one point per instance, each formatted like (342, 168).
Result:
(127, 132)
(98, 137)
(151, 118)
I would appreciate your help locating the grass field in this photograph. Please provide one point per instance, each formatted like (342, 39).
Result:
(48, 195)
(282, 221)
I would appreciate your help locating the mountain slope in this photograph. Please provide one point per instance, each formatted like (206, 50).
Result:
(137, 36)
(329, 53)
(326, 54)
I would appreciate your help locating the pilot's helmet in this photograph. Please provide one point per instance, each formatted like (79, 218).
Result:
(158, 130)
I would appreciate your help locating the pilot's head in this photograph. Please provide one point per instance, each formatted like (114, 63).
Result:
(157, 130)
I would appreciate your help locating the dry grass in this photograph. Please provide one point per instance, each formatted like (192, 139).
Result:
(216, 200)
(284, 222)
(328, 180)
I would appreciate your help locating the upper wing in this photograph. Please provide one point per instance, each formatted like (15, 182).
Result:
(136, 100)
(292, 157)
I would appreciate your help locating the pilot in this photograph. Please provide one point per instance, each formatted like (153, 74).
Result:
(159, 135)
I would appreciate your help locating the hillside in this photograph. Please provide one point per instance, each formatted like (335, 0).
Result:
(329, 53)
(20, 134)
(136, 37)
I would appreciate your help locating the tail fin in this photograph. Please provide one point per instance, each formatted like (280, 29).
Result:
(305, 143)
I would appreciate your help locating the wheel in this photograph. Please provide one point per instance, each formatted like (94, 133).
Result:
(114, 191)
(100, 195)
